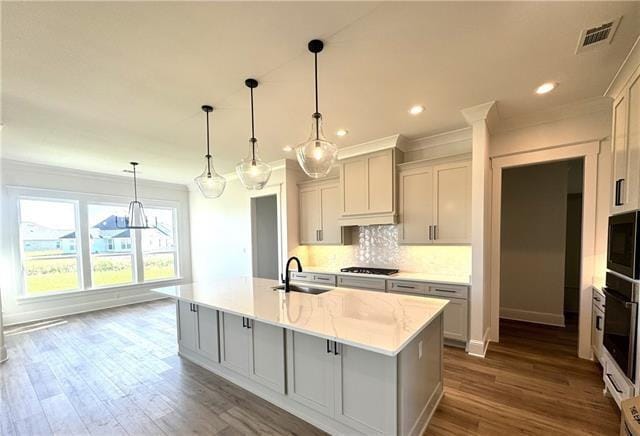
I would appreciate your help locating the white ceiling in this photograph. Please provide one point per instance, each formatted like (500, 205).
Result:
(94, 85)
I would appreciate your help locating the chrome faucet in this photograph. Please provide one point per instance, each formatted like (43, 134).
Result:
(285, 279)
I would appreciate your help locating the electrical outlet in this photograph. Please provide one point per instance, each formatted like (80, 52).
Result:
(420, 350)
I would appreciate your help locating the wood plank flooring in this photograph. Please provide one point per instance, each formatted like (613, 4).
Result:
(116, 372)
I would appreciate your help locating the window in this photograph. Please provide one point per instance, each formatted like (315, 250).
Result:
(158, 245)
(109, 266)
(48, 235)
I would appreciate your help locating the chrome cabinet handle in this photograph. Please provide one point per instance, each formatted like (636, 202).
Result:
(430, 233)
(618, 199)
(614, 384)
(329, 347)
(335, 348)
(405, 286)
(445, 290)
(244, 322)
(598, 319)
(435, 232)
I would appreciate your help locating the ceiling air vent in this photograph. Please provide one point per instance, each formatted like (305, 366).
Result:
(597, 36)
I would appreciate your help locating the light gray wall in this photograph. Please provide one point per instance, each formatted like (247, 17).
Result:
(534, 207)
(265, 237)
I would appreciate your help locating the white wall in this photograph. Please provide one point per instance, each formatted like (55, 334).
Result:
(78, 183)
(534, 204)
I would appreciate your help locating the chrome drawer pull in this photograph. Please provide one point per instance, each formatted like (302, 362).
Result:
(614, 384)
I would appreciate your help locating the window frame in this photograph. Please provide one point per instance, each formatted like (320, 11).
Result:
(78, 243)
(175, 252)
(83, 248)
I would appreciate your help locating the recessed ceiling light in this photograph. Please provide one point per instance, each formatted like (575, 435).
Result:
(287, 148)
(545, 87)
(342, 132)
(417, 109)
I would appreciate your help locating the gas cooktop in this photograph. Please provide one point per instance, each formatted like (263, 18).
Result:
(367, 270)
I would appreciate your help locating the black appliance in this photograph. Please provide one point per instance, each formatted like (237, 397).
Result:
(623, 247)
(367, 270)
(620, 322)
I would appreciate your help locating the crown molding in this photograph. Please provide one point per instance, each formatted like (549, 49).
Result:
(630, 64)
(445, 138)
(479, 112)
(394, 141)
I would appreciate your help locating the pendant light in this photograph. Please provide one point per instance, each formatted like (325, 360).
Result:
(211, 184)
(253, 172)
(136, 218)
(317, 154)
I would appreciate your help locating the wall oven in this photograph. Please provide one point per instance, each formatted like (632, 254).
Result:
(620, 322)
(623, 247)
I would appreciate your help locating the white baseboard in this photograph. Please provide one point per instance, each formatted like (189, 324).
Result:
(479, 348)
(81, 307)
(531, 316)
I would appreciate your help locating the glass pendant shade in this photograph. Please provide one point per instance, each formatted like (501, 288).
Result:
(253, 172)
(210, 183)
(317, 154)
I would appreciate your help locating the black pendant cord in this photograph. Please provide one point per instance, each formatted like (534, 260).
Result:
(208, 156)
(317, 113)
(253, 133)
(135, 185)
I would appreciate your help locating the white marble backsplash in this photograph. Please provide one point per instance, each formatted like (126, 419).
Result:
(377, 246)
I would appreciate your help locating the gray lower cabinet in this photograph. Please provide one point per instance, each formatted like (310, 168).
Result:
(253, 349)
(455, 319)
(198, 330)
(349, 384)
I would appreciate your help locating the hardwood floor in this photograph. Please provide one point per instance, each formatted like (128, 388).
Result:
(117, 372)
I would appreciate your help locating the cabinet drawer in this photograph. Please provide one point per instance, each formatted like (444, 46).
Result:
(448, 291)
(362, 283)
(617, 384)
(325, 279)
(407, 287)
(301, 276)
(598, 299)
(308, 277)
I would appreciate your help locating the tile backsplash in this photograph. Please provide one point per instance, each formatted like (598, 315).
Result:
(378, 246)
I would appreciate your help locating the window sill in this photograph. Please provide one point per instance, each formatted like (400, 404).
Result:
(97, 291)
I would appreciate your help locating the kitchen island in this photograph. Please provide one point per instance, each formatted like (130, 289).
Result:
(348, 361)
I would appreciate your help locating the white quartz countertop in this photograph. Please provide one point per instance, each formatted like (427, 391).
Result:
(443, 279)
(377, 321)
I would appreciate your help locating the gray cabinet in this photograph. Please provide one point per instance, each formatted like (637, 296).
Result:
(368, 283)
(310, 371)
(198, 329)
(313, 278)
(319, 207)
(253, 349)
(349, 384)
(597, 324)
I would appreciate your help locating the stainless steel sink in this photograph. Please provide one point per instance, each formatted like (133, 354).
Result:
(303, 289)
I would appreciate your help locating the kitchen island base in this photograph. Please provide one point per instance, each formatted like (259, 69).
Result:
(339, 388)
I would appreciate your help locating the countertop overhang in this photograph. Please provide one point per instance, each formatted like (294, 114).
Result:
(376, 321)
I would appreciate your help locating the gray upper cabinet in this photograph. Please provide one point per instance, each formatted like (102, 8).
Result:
(368, 189)
(319, 212)
(235, 340)
(267, 352)
(187, 333)
(435, 202)
(310, 372)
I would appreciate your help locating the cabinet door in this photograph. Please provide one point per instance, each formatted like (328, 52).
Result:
(452, 198)
(632, 198)
(207, 324)
(455, 319)
(597, 331)
(355, 187)
(187, 334)
(234, 345)
(416, 205)
(310, 369)
(365, 384)
(267, 355)
(619, 155)
(381, 183)
(309, 215)
(331, 232)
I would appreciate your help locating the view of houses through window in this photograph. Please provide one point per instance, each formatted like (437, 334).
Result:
(51, 254)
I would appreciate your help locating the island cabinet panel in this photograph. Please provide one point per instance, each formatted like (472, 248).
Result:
(207, 326)
(267, 355)
(187, 333)
(235, 340)
(310, 372)
(365, 390)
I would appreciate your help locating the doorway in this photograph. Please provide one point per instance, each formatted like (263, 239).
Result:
(540, 246)
(264, 226)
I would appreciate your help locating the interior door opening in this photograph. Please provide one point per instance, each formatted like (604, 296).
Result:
(264, 224)
(540, 243)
